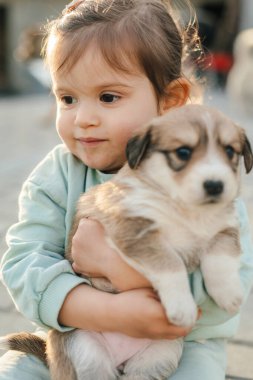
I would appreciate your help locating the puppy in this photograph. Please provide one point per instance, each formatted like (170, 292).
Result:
(169, 210)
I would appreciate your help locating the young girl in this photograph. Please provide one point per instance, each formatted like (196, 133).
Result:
(115, 64)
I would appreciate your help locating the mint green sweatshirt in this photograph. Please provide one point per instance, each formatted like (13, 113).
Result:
(34, 270)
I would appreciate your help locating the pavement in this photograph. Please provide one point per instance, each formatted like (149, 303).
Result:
(27, 133)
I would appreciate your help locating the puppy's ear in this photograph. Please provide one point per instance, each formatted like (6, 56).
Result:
(247, 155)
(137, 148)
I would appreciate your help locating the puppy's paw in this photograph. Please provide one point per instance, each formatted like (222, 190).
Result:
(228, 298)
(181, 310)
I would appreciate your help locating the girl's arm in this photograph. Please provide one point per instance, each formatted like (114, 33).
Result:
(137, 313)
(33, 269)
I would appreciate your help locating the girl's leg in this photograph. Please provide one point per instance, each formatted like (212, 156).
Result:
(200, 361)
(15, 365)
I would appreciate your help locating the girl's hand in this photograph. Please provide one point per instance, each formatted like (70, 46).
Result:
(90, 251)
(93, 257)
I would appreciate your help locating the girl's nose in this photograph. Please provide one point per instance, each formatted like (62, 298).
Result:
(87, 116)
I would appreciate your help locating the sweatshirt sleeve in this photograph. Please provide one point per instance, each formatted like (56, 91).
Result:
(215, 322)
(34, 270)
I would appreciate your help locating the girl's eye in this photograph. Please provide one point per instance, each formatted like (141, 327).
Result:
(67, 99)
(230, 152)
(184, 153)
(108, 98)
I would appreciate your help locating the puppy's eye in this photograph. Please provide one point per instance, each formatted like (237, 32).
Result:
(184, 153)
(230, 152)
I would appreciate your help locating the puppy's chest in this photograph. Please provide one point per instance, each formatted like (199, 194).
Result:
(191, 239)
(188, 246)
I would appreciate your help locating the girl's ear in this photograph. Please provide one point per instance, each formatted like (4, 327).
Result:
(176, 94)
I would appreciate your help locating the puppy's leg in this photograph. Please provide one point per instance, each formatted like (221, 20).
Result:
(87, 355)
(147, 250)
(175, 294)
(158, 361)
(220, 269)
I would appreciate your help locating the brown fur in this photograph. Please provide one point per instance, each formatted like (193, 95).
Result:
(55, 351)
(28, 343)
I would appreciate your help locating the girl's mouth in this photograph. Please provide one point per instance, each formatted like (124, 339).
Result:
(90, 141)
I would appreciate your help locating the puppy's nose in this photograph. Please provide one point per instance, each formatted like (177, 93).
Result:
(213, 187)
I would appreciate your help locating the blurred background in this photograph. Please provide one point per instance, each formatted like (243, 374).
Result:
(27, 116)
(220, 22)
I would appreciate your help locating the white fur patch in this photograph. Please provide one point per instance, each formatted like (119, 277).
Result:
(222, 280)
(90, 357)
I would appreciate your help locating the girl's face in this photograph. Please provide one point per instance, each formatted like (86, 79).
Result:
(98, 109)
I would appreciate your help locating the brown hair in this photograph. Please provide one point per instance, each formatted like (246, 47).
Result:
(125, 31)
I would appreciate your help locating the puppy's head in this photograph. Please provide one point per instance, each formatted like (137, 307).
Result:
(193, 154)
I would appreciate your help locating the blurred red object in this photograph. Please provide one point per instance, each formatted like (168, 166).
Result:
(219, 62)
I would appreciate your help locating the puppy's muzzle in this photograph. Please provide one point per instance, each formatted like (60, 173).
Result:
(213, 188)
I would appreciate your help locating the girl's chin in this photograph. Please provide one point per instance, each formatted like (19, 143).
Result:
(101, 163)
(106, 169)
